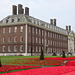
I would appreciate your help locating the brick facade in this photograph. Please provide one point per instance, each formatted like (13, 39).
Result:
(56, 42)
(12, 43)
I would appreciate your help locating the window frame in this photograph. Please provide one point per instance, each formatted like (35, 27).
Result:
(3, 49)
(3, 40)
(8, 39)
(21, 38)
(9, 29)
(21, 29)
(4, 30)
(15, 29)
(15, 48)
(21, 48)
(14, 38)
(9, 49)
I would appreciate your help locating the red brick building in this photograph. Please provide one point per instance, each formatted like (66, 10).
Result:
(19, 33)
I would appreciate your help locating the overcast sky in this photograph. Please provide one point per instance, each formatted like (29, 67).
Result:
(62, 10)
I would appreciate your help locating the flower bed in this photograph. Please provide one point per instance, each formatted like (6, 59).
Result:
(6, 68)
(32, 61)
(60, 70)
(70, 63)
(46, 61)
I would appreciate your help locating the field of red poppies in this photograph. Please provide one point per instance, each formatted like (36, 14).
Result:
(6, 68)
(26, 63)
(46, 62)
(59, 70)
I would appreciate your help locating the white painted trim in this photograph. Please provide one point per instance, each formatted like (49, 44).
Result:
(13, 54)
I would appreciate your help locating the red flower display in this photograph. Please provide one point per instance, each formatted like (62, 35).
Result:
(60, 70)
(42, 71)
(70, 63)
(46, 61)
(6, 68)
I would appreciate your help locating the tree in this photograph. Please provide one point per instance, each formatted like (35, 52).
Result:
(31, 51)
(63, 56)
(41, 56)
(0, 63)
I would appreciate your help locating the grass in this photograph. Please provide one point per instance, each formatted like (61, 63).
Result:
(13, 57)
(10, 59)
(16, 57)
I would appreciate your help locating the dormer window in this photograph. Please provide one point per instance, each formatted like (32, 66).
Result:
(18, 19)
(47, 25)
(37, 22)
(12, 20)
(34, 21)
(6, 21)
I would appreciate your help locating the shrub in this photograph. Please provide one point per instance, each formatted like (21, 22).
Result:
(63, 56)
(41, 56)
(0, 63)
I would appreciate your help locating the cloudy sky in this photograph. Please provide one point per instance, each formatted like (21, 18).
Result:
(62, 10)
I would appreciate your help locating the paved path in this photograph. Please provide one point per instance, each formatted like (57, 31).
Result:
(47, 66)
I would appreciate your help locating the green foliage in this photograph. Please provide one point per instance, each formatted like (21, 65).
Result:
(41, 56)
(31, 51)
(63, 56)
(0, 63)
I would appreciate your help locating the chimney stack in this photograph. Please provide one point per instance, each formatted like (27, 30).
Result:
(66, 27)
(14, 10)
(19, 6)
(20, 9)
(69, 28)
(51, 21)
(26, 11)
(54, 22)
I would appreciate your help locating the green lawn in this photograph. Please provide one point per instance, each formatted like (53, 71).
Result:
(11, 59)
